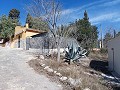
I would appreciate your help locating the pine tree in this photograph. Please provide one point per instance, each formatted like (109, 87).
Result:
(108, 37)
(6, 27)
(14, 15)
(86, 16)
(85, 33)
(29, 20)
(114, 33)
(36, 23)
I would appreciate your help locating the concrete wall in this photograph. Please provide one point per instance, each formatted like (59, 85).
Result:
(46, 45)
(114, 54)
(43, 41)
(36, 43)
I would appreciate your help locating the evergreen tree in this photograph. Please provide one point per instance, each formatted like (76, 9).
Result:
(118, 34)
(86, 16)
(108, 36)
(40, 24)
(29, 20)
(36, 23)
(84, 32)
(114, 33)
(6, 27)
(14, 15)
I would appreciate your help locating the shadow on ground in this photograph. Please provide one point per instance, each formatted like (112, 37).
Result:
(101, 66)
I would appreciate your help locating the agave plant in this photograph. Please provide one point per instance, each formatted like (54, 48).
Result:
(73, 53)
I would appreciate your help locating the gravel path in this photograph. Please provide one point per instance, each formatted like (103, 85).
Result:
(15, 73)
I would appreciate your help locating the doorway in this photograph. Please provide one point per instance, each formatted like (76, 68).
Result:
(19, 42)
(113, 58)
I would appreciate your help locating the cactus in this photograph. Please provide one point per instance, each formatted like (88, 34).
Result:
(73, 53)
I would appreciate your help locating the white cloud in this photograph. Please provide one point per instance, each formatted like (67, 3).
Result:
(113, 2)
(68, 11)
(116, 19)
(72, 10)
(95, 23)
(104, 17)
(104, 14)
(100, 3)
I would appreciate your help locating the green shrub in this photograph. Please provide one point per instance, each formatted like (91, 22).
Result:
(103, 50)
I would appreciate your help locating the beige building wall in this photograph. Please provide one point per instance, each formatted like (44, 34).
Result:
(114, 54)
(29, 33)
(23, 32)
(15, 40)
(19, 29)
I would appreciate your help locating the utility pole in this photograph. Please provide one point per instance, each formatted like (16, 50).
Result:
(114, 33)
(101, 37)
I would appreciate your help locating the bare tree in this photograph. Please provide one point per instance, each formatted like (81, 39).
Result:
(62, 31)
(48, 10)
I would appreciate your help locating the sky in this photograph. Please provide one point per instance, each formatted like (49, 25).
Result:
(101, 12)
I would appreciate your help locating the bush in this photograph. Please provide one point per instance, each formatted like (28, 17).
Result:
(103, 50)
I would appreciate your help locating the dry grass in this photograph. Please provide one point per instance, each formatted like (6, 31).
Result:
(78, 72)
(98, 56)
(35, 64)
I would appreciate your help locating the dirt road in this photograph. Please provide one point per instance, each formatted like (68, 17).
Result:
(15, 73)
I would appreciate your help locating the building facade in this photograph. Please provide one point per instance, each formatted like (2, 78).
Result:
(114, 54)
(21, 34)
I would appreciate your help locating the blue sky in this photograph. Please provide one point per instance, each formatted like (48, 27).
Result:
(104, 12)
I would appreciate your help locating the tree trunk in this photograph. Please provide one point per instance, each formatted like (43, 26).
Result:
(58, 57)
(58, 49)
